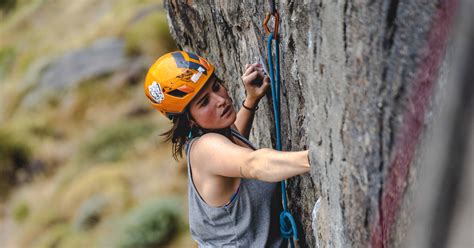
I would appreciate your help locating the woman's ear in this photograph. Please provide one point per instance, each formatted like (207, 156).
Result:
(192, 124)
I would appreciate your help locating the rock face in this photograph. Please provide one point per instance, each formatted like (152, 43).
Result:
(357, 84)
(103, 57)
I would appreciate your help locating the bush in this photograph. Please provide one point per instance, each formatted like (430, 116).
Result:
(113, 141)
(150, 225)
(7, 5)
(15, 155)
(90, 213)
(21, 212)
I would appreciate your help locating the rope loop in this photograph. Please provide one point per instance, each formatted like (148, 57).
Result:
(287, 231)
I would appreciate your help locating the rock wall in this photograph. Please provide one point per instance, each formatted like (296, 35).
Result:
(357, 84)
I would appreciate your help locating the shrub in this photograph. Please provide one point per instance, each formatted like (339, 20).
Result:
(15, 154)
(113, 141)
(150, 225)
(90, 213)
(21, 212)
(6, 6)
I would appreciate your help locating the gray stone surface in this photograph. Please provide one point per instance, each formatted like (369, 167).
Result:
(103, 57)
(348, 71)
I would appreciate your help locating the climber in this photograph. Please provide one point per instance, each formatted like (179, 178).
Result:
(232, 185)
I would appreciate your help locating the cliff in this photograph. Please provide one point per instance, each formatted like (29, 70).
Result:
(359, 79)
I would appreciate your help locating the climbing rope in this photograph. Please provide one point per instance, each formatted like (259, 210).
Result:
(287, 231)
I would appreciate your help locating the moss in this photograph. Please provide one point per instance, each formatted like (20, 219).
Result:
(113, 141)
(149, 36)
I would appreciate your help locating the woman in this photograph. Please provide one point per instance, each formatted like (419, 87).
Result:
(232, 185)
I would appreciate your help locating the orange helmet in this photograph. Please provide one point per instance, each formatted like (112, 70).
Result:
(174, 79)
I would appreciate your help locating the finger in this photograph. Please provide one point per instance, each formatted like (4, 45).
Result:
(251, 77)
(266, 82)
(249, 70)
(247, 66)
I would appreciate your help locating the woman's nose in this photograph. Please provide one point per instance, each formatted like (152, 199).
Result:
(221, 101)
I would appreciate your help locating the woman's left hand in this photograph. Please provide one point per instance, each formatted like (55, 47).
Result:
(256, 83)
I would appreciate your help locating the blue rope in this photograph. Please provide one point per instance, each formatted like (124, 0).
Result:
(285, 216)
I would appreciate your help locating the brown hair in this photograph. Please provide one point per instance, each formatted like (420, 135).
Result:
(178, 135)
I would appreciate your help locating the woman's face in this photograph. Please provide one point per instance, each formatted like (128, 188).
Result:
(212, 108)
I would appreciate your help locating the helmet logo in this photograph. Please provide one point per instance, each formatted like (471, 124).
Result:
(156, 92)
(198, 75)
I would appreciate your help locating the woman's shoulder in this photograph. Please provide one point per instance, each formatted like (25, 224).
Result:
(211, 139)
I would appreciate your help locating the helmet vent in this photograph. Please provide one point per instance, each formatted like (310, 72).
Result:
(177, 93)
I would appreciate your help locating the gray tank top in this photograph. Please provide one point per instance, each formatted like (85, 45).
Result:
(250, 219)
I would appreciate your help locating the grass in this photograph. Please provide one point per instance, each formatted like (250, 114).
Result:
(100, 181)
(7, 58)
(150, 36)
(112, 142)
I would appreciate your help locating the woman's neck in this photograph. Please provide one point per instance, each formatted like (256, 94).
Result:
(223, 131)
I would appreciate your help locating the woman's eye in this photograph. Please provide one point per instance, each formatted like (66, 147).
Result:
(216, 86)
(204, 102)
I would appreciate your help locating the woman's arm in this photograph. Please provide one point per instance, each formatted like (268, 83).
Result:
(254, 92)
(273, 166)
(224, 158)
(245, 117)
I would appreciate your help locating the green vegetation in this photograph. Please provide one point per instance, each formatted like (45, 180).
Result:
(55, 236)
(90, 213)
(21, 212)
(149, 225)
(113, 141)
(7, 58)
(7, 6)
(149, 36)
(15, 154)
(93, 151)
(105, 182)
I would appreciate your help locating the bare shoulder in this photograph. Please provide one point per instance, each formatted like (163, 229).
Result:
(210, 145)
(217, 155)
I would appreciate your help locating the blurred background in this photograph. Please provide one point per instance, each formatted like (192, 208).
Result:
(82, 162)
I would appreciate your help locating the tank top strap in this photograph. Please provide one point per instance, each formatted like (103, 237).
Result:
(242, 138)
(188, 151)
